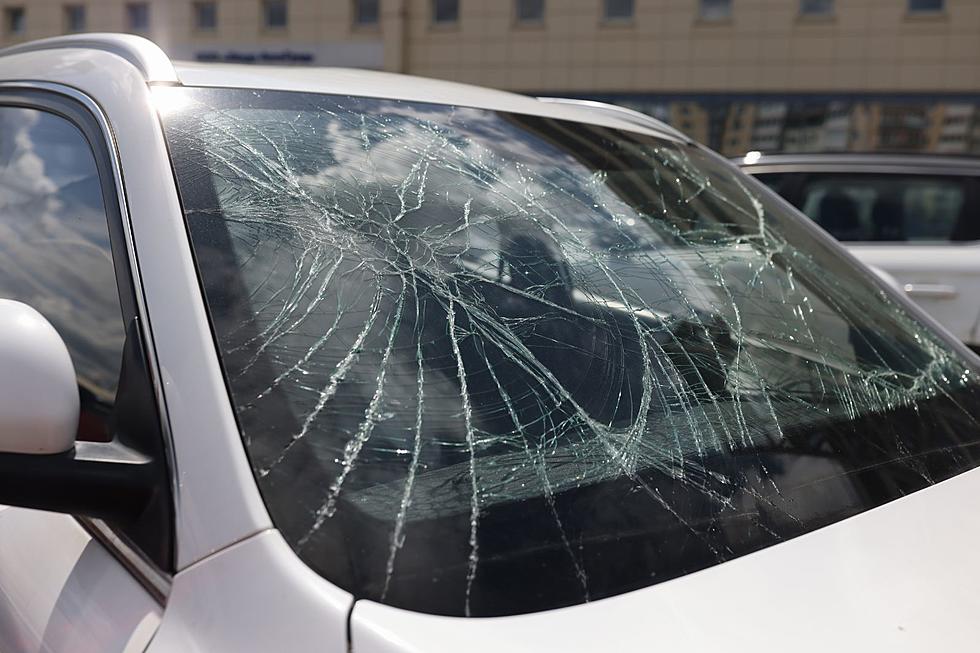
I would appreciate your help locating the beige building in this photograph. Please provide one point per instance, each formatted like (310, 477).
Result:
(739, 74)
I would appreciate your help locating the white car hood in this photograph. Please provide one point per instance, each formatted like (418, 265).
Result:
(901, 577)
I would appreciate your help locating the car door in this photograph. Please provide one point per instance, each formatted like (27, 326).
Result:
(70, 584)
(918, 229)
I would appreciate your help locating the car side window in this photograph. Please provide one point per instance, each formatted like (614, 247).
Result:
(893, 208)
(775, 181)
(55, 253)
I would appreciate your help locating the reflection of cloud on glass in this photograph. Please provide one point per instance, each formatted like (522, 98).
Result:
(54, 246)
(406, 158)
(24, 180)
(407, 175)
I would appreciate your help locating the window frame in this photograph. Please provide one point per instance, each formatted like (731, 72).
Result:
(153, 570)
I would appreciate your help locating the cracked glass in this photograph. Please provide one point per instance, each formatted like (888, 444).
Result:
(487, 363)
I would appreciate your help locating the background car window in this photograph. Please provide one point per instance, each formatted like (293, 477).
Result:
(887, 207)
(55, 253)
(775, 181)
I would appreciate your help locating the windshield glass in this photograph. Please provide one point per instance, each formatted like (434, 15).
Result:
(489, 364)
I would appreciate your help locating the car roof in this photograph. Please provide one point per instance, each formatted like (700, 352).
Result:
(157, 69)
(912, 162)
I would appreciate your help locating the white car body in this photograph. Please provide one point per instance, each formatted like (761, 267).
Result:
(900, 577)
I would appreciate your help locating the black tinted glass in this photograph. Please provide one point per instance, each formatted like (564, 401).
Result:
(488, 363)
(860, 207)
(774, 181)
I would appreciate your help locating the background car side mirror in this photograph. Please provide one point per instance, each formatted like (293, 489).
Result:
(39, 403)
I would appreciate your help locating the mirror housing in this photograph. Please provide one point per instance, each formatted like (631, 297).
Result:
(39, 404)
(124, 481)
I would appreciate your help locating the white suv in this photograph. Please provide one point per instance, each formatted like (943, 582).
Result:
(333, 360)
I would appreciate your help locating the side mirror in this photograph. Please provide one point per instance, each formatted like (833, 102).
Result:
(38, 391)
(42, 466)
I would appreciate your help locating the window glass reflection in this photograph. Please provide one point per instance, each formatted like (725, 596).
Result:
(54, 249)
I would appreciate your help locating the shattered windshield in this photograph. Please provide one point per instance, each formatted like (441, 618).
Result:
(489, 364)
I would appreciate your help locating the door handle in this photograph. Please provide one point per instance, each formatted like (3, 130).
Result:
(930, 290)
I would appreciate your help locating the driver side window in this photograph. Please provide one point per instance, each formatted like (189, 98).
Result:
(55, 253)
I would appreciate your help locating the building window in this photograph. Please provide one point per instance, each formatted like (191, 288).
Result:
(275, 13)
(14, 20)
(445, 11)
(716, 9)
(617, 9)
(206, 15)
(926, 6)
(816, 7)
(137, 16)
(366, 12)
(74, 18)
(530, 11)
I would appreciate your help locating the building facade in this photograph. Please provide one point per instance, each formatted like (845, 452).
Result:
(738, 74)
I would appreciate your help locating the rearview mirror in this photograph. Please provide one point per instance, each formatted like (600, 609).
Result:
(38, 392)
